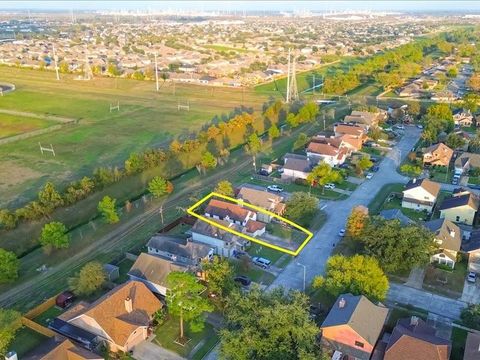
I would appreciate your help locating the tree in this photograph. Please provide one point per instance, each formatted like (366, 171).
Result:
(414, 108)
(273, 132)
(90, 278)
(470, 102)
(267, 326)
(301, 207)
(8, 220)
(452, 72)
(208, 161)
(363, 164)
(219, 276)
(474, 82)
(411, 170)
(471, 316)
(357, 221)
(224, 187)
(302, 139)
(254, 145)
(175, 146)
(359, 275)
(107, 209)
(397, 247)
(184, 299)
(9, 265)
(454, 141)
(54, 236)
(323, 174)
(374, 133)
(10, 322)
(158, 186)
(49, 197)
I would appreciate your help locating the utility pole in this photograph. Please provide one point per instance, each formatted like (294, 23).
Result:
(161, 213)
(313, 89)
(288, 79)
(324, 122)
(55, 60)
(156, 71)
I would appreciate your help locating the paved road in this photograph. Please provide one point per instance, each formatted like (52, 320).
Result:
(318, 250)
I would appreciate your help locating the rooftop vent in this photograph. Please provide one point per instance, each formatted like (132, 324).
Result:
(342, 303)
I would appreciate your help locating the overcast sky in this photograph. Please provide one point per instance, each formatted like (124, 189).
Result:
(246, 5)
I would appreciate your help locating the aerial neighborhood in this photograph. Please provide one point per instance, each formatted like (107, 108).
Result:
(240, 181)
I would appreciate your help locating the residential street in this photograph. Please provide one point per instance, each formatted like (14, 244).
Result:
(318, 250)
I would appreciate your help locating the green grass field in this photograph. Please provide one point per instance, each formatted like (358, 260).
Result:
(11, 125)
(305, 79)
(100, 138)
(226, 48)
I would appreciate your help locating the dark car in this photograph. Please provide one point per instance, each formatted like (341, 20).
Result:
(242, 280)
(263, 172)
(375, 168)
(238, 254)
(476, 187)
(344, 166)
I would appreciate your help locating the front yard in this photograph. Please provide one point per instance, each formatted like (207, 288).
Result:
(168, 332)
(445, 282)
(376, 204)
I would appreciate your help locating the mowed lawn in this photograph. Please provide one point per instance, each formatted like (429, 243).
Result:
(100, 138)
(11, 125)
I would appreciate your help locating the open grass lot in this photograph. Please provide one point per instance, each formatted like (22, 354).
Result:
(100, 138)
(226, 48)
(445, 282)
(25, 341)
(11, 125)
(305, 79)
(169, 331)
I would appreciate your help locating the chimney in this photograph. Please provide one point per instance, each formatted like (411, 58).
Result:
(342, 303)
(414, 321)
(452, 233)
(128, 305)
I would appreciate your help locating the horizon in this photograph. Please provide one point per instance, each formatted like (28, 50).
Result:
(250, 6)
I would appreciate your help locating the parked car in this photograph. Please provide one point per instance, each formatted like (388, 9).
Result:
(471, 277)
(242, 280)
(238, 254)
(455, 181)
(330, 186)
(341, 233)
(420, 126)
(375, 145)
(262, 262)
(476, 187)
(263, 172)
(400, 127)
(274, 188)
(375, 168)
(368, 176)
(344, 166)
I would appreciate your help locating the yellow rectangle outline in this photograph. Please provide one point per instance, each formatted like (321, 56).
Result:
(191, 211)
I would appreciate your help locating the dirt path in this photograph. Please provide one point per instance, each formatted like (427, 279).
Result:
(60, 119)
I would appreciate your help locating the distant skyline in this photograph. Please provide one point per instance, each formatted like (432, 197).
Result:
(410, 6)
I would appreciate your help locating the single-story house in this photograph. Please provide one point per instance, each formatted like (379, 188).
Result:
(263, 199)
(153, 271)
(420, 194)
(353, 326)
(370, 119)
(437, 155)
(121, 318)
(223, 242)
(460, 208)
(60, 348)
(466, 161)
(413, 339)
(448, 237)
(349, 129)
(296, 167)
(233, 213)
(179, 250)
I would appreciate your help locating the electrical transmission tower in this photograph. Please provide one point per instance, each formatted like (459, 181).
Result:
(292, 90)
(88, 74)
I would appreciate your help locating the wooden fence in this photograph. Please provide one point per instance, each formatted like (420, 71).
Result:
(37, 327)
(44, 306)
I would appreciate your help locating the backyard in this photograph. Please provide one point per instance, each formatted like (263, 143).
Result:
(446, 282)
(25, 341)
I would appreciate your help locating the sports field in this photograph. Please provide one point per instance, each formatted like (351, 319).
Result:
(100, 138)
(11, 125)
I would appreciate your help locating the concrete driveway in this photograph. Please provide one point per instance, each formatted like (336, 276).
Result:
(318, 250)
(150, 351)
(471, 293)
